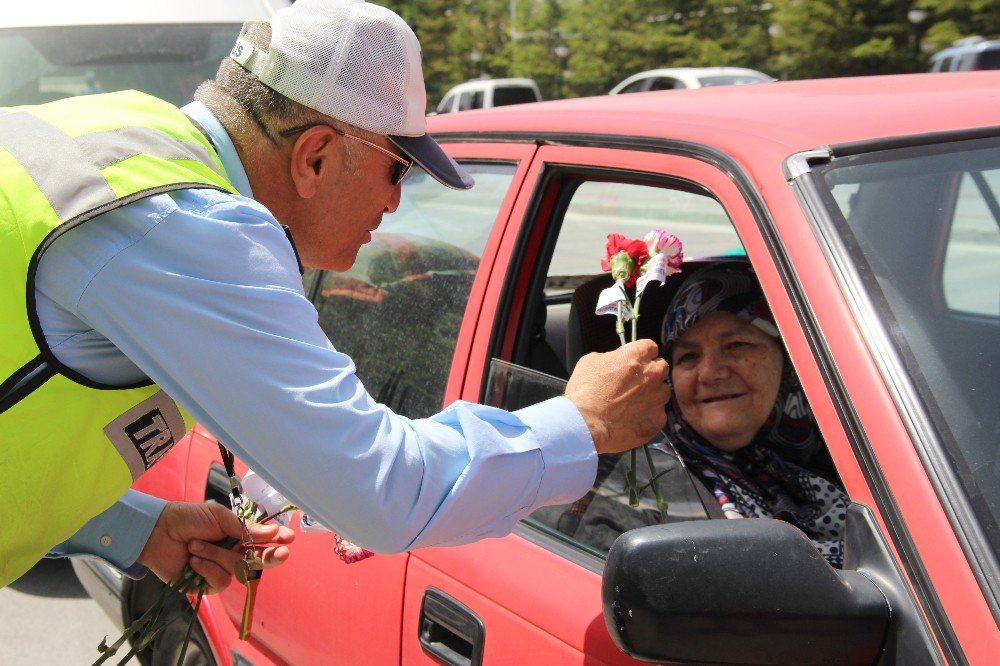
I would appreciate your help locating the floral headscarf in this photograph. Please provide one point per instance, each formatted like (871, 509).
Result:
(762, 479)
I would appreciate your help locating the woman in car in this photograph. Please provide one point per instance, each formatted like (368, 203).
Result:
(738, 420)
(738, 417)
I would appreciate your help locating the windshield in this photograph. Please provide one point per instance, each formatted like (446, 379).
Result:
(168, 61)
(923, 225)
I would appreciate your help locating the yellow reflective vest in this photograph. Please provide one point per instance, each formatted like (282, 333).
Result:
(69, 447)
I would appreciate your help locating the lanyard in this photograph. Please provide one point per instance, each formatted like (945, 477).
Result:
(236, 490)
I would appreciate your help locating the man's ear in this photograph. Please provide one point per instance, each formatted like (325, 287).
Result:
(316, 158)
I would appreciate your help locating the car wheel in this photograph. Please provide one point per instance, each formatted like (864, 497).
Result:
(168, 646)
(140, 596)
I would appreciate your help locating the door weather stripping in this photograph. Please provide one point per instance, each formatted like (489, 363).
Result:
(802, 163)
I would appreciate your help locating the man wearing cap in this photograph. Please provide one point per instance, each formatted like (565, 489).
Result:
(158, 265)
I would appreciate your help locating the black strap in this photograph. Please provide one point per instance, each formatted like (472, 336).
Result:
(26, 379)
(295, 250)
(228, 459)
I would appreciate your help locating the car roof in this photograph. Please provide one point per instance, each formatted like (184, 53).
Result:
(695, 71)
(41, 13)
(975, 47)
(789, 116)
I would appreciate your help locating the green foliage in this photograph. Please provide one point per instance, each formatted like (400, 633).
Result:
(949, 20)
(584, 47)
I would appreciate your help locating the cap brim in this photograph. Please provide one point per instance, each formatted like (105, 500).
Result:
(425, 152)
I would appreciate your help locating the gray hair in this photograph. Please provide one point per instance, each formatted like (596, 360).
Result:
(247, 108)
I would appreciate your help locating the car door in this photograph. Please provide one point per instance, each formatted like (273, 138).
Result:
(534, 597)
(886, 255)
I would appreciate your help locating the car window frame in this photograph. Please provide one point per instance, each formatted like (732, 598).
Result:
(546, 166)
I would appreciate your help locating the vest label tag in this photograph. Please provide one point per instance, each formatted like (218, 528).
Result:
(145, 433)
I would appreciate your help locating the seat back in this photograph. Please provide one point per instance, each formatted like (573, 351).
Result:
(586, 331)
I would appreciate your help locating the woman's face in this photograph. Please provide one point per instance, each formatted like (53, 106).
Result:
(726, 375)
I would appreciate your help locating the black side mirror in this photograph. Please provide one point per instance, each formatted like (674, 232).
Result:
(738, 592)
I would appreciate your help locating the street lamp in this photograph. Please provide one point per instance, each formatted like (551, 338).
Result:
(562, 52)
(475, 56)
(916, 17)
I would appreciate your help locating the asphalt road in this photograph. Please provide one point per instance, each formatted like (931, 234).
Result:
(46, 618)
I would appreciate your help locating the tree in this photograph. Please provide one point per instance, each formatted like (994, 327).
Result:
(819, 38)
(949, 20)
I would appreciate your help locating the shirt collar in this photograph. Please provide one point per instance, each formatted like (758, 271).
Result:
(223, 145)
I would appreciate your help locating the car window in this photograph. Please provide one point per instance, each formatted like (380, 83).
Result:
(465, 102)
(972, 255)
(942, 64)
(397, 311)
(923, 225)
(729, 80)
(989, 60)
(169, 61)
(593, 209)
(445, 105)
(513, 95)
(602, 207)
(665, 83)
(635, 86)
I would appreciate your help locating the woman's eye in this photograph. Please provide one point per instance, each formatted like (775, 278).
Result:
(684, 359)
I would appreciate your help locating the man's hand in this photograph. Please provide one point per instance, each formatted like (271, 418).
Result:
(185, 532)
(621, 395)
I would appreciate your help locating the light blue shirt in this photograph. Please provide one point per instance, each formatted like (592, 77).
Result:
(200, 291)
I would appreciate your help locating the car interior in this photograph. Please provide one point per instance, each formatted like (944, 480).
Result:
(559, 325)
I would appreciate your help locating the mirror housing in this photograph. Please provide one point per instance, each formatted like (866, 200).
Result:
(738, 592)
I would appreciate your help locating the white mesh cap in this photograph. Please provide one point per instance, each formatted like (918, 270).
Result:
(356, 62)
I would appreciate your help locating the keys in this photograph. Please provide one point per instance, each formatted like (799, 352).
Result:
(248, 572)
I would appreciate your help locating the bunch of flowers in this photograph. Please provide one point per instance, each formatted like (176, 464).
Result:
(260, 503)
(143, 631)
(270, 502)
(635, 264)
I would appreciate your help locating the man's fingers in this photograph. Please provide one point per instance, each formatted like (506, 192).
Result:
(224, 557)
(270, 533)
(641, 350)
(216, 576)
(274, 555)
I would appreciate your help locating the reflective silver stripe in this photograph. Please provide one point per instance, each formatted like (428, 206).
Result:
(112, 146)
(56, 163)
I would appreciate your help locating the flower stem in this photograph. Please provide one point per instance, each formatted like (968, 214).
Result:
(619, 326)
(630, 478)
(654, 481)
(635, 317)
(191, 623)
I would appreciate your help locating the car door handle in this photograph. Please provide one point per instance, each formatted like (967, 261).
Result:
(450, 632)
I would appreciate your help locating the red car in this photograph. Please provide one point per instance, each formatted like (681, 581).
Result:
(868, 208)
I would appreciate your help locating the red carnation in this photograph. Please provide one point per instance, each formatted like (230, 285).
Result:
(623, 258)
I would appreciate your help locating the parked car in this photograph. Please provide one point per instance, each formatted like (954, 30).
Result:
(868, 209)
(677, 78)
(487, 93)
(970, 54)
(57, 48)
